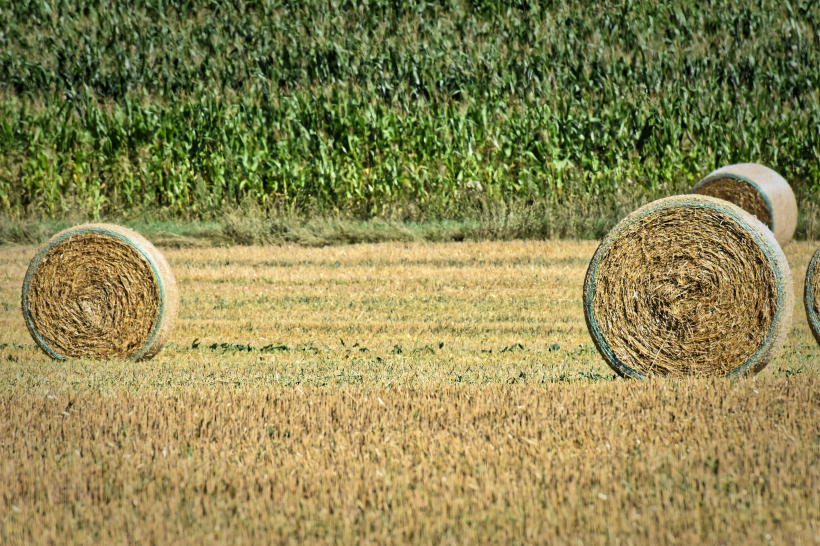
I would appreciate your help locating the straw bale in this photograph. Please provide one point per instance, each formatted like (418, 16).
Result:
(688, 285)
(811, 296)
(758, 190)
(100, 291)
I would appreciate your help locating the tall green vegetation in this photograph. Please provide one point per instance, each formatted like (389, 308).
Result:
(437, 108)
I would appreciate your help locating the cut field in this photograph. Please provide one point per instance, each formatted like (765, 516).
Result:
(397, 393)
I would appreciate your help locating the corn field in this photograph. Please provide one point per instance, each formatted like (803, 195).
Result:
(109, 108)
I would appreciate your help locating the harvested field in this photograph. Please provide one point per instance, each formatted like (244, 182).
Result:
(397, 393)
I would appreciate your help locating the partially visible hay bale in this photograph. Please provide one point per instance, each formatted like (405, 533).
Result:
(811, 296)
(758, 190)
(688, 285)
(100, 291)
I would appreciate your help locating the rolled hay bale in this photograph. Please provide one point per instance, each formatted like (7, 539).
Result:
(99, 291)
(811, 296)
(758, 190)
(688, 285)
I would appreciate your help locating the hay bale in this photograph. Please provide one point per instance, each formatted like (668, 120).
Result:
(758, 190)
(688, 285)
(811, 296)
(99, 291)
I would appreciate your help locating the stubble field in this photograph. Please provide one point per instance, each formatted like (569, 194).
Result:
(397, 393)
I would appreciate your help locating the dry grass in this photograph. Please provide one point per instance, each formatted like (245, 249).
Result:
(407, 432)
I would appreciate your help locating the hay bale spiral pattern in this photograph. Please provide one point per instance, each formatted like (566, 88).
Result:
(100, 291)
(758, 190)
(688, 285)
(811, 296)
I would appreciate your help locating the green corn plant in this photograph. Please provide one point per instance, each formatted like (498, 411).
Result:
(191, 106)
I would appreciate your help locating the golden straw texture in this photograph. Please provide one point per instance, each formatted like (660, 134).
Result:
(756, 189)
(811, 296)
(100, 291)
(688, 285)
(741, 193)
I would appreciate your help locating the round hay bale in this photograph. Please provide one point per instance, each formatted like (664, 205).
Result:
(100, 291)
(758, 190)
(811, 296)
(688, 285)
